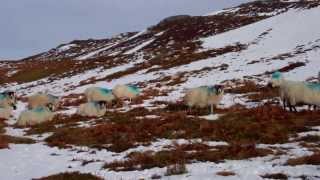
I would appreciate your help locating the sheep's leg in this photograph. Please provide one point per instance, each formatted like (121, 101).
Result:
(284, 103)
(211, 109)
(294, 108)
(290, 106)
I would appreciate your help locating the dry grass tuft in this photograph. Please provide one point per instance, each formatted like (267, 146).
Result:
(226, 173)
(120, 131)
(275, 176)
(183, 154)
(312, 159)
(70, 176)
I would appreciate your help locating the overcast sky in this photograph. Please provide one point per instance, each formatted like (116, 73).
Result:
(32, 26)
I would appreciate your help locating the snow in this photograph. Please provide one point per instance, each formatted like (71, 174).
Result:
(137, 35)
(137, 48)
(211, 117)
(66, 47)
(91, 54)
(229, 10)
(284, 36)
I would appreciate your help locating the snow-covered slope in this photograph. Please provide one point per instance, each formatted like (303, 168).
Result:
(247, 42)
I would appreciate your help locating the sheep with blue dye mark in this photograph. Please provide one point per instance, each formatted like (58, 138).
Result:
(126, 92)
(204, 96)
(296, 92)
(92, 109)
(36, 116)
(42, 99)
(7, 98)
(99, 94)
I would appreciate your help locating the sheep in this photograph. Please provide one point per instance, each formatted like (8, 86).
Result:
(7, 98)
(6, 112)
(99, 94)
(296, 92)
(204, 96)
(36, 116)
(126, 92)
(11, 94)
(42, 99)
(92, 109)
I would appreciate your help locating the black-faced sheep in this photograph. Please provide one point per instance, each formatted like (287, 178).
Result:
(296, 92)
(36, 116)
(92, 109)
(42, 99)
(204, 96)
(7, 98)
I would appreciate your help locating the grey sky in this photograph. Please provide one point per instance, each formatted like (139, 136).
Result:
(32, 26)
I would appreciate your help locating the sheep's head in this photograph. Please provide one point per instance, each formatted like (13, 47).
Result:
(276, 79)
(102, 104)
(219, 89)
(11, 94)
(51, 107)
(55, 100)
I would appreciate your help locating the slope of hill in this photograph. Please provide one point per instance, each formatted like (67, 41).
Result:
(252, 138)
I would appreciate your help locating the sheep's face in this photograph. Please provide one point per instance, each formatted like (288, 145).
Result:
(219, 89)
(102, 104)
(276, 79)
(11, 94)
(51, 107)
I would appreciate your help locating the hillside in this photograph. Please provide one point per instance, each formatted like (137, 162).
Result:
(252, 137)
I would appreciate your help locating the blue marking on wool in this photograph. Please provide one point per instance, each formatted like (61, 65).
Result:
(39, 109)
(134, 89)
(2, 96)
(276, 75)
(105, 91)
(212, 90)
(314, 86)
(209, 89)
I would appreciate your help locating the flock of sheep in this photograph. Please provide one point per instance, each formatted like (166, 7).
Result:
(41, 106)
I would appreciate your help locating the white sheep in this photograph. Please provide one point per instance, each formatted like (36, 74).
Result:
(35, 116)
(204, 96)
(296, 92)
(126, 92)
(42, 99)
(92, 109)
(7, 98)
(99, 94)
(6, 112)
